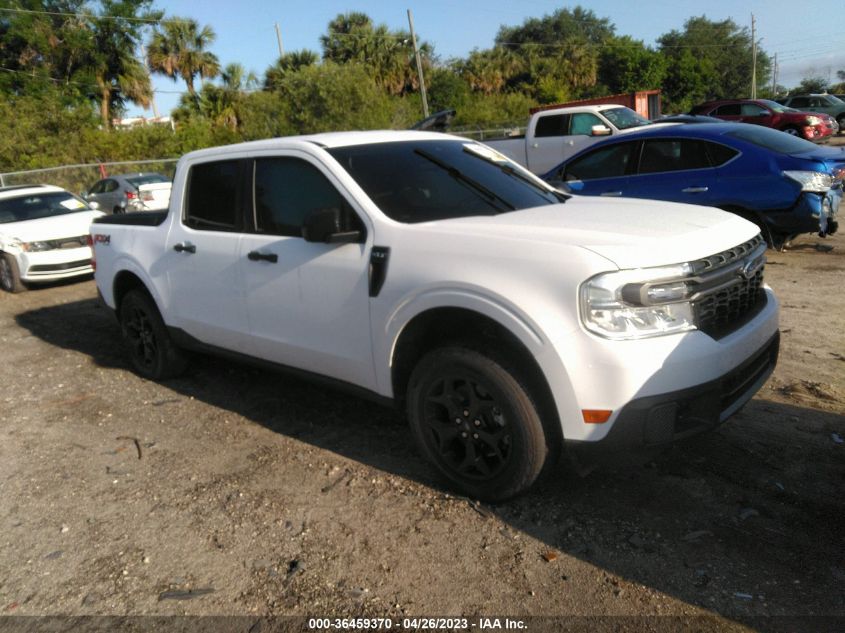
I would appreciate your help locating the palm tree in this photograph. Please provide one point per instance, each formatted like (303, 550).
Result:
(179, 50)
(288, 63)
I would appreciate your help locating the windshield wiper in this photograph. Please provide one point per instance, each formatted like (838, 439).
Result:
(510, 170)
(457, 174)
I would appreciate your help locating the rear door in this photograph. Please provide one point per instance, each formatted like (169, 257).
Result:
(674, 169)
(308, 303)
(201, 259)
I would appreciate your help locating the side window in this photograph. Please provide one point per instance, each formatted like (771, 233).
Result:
(729, 109)
(583, 122)
(719, 154)
(98, 187)
(109, 186)
(287, 190)
(799, 102)
(672, 155)
(606, 162)
(552, 125)
(752, 109)
(212, 202)
(815, 102)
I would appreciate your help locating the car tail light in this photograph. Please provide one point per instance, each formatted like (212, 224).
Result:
(131, 195)
(90, 241)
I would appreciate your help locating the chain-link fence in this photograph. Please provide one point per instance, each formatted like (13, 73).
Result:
(79, 178)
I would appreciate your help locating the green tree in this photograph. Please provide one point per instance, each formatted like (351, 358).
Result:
(628, 65)
(119, 76)
(577, 24)
(812, 85)
(289, 62)
(718, 54)
(179, 49)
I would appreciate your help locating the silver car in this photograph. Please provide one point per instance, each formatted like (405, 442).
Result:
(130, 192)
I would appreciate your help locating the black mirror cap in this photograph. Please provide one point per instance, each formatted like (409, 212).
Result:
(326, 226)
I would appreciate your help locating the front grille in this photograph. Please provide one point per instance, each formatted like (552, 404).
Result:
(727, 295)
(69, 242)
(53, 268)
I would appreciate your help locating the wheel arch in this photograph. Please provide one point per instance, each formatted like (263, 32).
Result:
(441, 326)
(126, 281)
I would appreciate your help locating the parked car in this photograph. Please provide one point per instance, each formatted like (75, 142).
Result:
(130, 192)
(43, 235)
(810, 126)
(824, 103)
(431, 272)
(557, 133)
(784, 184)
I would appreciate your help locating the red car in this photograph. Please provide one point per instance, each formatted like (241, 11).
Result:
(812, 126)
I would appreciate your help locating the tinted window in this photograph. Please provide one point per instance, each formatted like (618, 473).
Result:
(419, 181)
(552, 125)
(606, 162)
(752, 109)
(286, 191)
(212, 196)
(109, 186)
(730, 109)
(799, 102)
(42, 205)
(98, 187)
(672, 155)
(772, 139)
(719, 154)
(583, 122)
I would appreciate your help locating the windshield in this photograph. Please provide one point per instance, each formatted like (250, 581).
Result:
(421, 181)
(39, 205)
(772, 139)
(624, 118)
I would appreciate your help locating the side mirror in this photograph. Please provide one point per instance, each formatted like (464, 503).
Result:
(599, 130)
(326, 226)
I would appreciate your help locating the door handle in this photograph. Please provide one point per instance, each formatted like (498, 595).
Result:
(185, 247)
(256, 256)
(612, 193)
(695, 189)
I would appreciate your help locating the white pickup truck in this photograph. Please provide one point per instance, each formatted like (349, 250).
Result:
(508, 320)
(554, 135)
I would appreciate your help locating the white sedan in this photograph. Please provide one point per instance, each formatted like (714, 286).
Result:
(43, 235)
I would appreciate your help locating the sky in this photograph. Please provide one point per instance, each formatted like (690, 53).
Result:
(806, 35)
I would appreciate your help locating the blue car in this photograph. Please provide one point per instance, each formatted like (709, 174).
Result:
(784, 184)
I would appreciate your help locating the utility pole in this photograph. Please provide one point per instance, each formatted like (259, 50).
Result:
(775, 76)
(419, 65)
(753, 58)
(279, 40)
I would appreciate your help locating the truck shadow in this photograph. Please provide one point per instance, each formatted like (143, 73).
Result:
(745, 521)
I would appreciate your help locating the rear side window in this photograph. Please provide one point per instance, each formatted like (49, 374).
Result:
(213, 196)
(729, 109)
(109, 186)
(719, 154)
(799, 102)
(606, 162)
(286, 191)
(672, 155)
(552, 125)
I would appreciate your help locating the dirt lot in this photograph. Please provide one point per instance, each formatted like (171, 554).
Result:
(234, 491)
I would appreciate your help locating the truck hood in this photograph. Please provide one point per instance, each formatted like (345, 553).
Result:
(631, 233)
(52, 228)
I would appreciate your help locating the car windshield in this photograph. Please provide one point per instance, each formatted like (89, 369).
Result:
(624, 118)
(421, 181)
(772, 139)
(777, 107)
(39, 205)
(833, 100)
(146, 179)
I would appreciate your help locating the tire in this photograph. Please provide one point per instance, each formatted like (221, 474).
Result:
(792, 131)
(10, 275)
(151, 351)
(117, 210)
(478, 425)
(841, 121)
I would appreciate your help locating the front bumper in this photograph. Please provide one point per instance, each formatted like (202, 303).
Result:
(655, 421)
(55, 264)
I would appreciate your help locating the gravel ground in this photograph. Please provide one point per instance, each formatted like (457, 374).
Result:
(232, 491)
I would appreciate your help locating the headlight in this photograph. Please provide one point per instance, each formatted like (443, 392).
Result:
(817, 181)
(36, 247)
(813, 120)
(637, 303)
